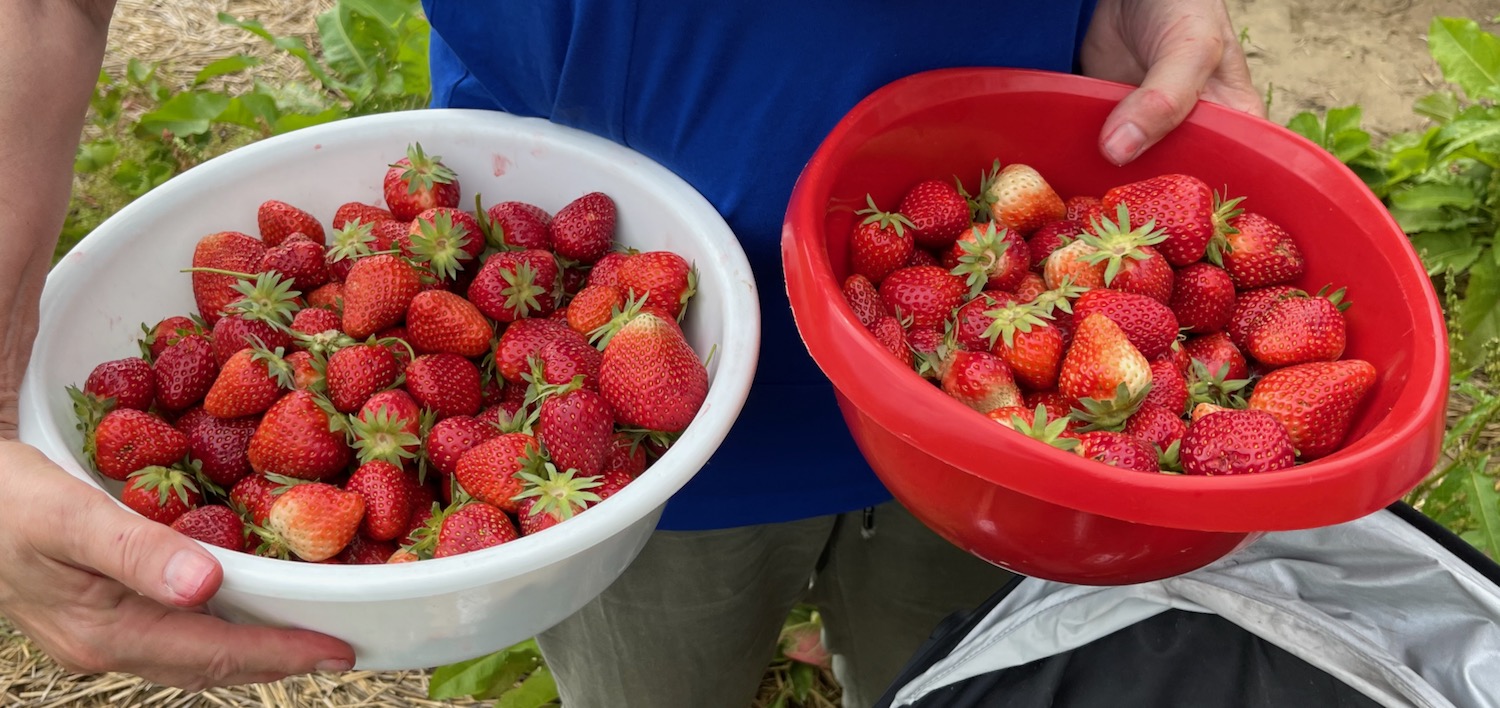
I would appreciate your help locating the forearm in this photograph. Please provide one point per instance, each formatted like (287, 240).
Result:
(48, 65)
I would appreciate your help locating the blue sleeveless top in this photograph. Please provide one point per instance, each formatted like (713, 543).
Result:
(734, 97)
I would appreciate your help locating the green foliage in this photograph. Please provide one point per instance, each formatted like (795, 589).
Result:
(515, 676)
(1461, 494)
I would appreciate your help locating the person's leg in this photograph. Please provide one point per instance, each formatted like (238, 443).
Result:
(882, 591)
(692, 623)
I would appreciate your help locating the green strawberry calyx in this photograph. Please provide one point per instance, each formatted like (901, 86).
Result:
(439, 244)
(1045, 430)
(1115, 242)
(1110, 413)
(167, 482)
(1224, 211)
(886, 220)
(353, 241)
(560, 494)
(423, 171)
(265, 297)
(981, 256)
(1009, 319)
(1212, 387)
(602, 334)
(382, 435)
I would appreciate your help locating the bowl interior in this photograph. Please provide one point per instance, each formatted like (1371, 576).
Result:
(128, 272)
(956, 122)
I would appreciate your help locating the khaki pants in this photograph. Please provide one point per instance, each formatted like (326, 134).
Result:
(694, 621)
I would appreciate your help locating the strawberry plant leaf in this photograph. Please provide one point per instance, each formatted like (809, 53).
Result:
(1434, 196)
(1445, 250)
(256, 111)
(291, 45)
(1468, 56)
(537, 690)
(486, 677)
(187, 113)
(1442, 106)
(223, 67)
(1484, 505)
(293, 121)
(803, 677)
(1479, 315)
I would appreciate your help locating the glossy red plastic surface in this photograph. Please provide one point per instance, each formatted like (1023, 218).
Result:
(1046, 513)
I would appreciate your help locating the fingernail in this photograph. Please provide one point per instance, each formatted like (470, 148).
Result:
(334, 666)
(186, 572)
(1124, 144)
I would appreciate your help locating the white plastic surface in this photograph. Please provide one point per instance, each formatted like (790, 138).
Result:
(409, 615)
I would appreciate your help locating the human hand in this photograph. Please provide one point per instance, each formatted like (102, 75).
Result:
(1176, 51)
(99, 588)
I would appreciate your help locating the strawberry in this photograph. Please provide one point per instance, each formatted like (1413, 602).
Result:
(447, 384)
(250, 382)
(451, 437)
(388, 235)
(662, 279)
(972, 321)
(523, 339)
(387, 500)
(1218, 356)
(515, 285)
(294, 440)
(1315, 401)
(355, 373)
(519, 225)
(229, 251)
(926, 294)
(1203, 298)
(1256, 252)
(549, 500)
(1251, 306)
(611, 482)
(358, 211)
(922, 257)
(1235, 442)
(377, 293)
(307, 374)
(473, 527)
(123, 383)
(221, 447)
(388, 428)
(161, 493)
(1118, 450)
(314, 521)
(1082, 209)
(254, 493)
(329, 297)
(1149, 324)
(300, 260)
(593, 307)
(1030, 287)
(184, 373)
(364, 551)
(1203, 409)
(488, 471)
(314, 320)
(1017, 198)
(1057, 404)
(1038, 424)
(1029, 345)
(440, 321)
(1104, 372)
(937, 213)
(888, 331)
(127, 440)
(351, 242)
(583, 229)
(607, 270)
(564, 359)
(988, 259)
(1052, 236)
(1182, 206)
(1156, 425)
(234, 333)
(1070, 264)
(278, 221)
(419, 182)
(1169, 387)
(651, 377)
(1298, 329)
(1131, 262)
(165, 333)
(626, 457)
(443, 241)
(215, 524)
(576, 427)
(880, 243)
(980, 380)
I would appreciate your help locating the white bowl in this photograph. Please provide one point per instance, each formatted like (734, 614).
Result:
(435, 612)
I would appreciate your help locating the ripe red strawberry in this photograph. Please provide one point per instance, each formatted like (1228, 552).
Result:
(887, 330)
(611, 483)
(351, 242)
(593, 307)
(354, 374)
(1149, 324)
(651, 377)
(937, 213)
(1131, 263)
(1118, 450)
(1148, 275)
(520, 225)
(972, 322)
(440, 321)
(1156, 425)
(922, 257)
(127, 440)
(451, 437)
(1028, 343)
(1298, 329)
(419, 182)
(364, 551)
(863, 299)
(576, 428)
(473, 527)
(1070, 264)
(880, 243)
(988, 259)
(1315, 402)
(387, 235)
(294, 440)
(161, 493)
(1030, 287)
(926, 294)
(314, 320)
(1169, 388)
(306, 374)
(665, 280)
(583, 230)
(1218, 355)
(1035, 422)
(980, 380)
(1251, 306)
(488, 470)
(229, 251)
(447, 384)
(254, 493)
(1203, 298)
(1103, 367)
(314, 521)
(1205, 409)
(220, 446)
(1018, 198)
(358, 211)
(129, 383)
(1082, 208)
(184, 373)
(1182, 206)
(234, 333)
(300, 260)
(329, 297)
(563, 359)
(387, 499)
(377, 293)
(443, 241)
(523, 339)
(1057, 404)
(607, 270)
(552, 498)
(388, 427)
(164, 334)
(250, 382)
(515, 285)
(215, 524)
(1257, 252)
(278, 220)
(1235, 442)
(1052, 236)
(626, 457)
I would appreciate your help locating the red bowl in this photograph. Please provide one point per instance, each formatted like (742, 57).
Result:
(1046, 513)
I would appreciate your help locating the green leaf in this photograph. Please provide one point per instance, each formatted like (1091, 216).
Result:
(803, 678)
(187, 113)
(538, 690)
(1434, 196)
(357, 47)
(1468, 56)
(228, 65)
(1441, 106)
(1479, 313)
(95, 155)
(256, 111)
(1484, 505)
(1343, 119)
(1460, 134)
(1442, 250)
(291, 45)
(1307, 125)
(294, 121)
(488, 676)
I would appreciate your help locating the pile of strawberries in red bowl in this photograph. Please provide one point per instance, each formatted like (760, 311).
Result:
(1105, 374)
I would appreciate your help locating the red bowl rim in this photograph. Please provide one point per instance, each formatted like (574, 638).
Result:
(837, 340)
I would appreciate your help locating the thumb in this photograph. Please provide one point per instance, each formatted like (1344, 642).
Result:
(1166, 95)
(148, 557)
